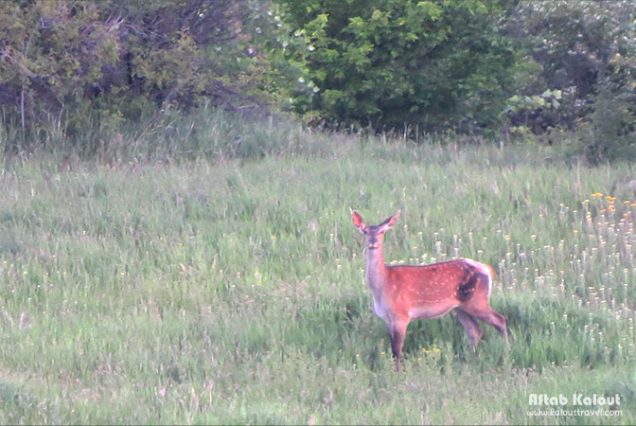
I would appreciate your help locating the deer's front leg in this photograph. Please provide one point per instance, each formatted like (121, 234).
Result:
(397, 333)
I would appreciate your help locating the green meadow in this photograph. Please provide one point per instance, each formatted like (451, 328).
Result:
(221, 281)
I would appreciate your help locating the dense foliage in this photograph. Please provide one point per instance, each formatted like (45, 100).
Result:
(80, 64)
(384, 64)
(514, 68)
(587, 51)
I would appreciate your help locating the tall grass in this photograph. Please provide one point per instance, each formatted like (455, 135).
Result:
(169, 136)
(219, 290)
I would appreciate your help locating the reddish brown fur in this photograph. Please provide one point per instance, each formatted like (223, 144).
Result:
(402, 293)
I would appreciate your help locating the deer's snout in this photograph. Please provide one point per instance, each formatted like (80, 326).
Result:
(374, 240)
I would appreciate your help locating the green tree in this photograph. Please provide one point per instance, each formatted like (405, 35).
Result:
(79, 66)
(579, 42)
(51, 55)
(435, 64)
(585, 49)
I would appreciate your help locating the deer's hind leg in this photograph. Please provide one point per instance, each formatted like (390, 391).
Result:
(493, 318)
(471, 326)
(478, 307)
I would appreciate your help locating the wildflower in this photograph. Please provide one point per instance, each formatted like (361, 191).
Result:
(597, 195)
(610, 199)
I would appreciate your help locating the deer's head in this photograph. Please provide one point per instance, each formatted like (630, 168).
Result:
(374, 233)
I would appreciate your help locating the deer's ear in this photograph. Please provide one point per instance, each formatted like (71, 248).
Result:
(358, 222)
(390, 221)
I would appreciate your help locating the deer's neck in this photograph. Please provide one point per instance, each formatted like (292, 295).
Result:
(376, 269)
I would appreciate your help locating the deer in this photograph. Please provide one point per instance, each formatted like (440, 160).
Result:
(402, 293)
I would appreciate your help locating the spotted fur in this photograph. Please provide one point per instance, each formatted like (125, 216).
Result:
(402, 293)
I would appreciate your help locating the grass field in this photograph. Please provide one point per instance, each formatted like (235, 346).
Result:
(232, 291)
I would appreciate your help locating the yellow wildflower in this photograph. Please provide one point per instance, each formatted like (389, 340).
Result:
(597, 195)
